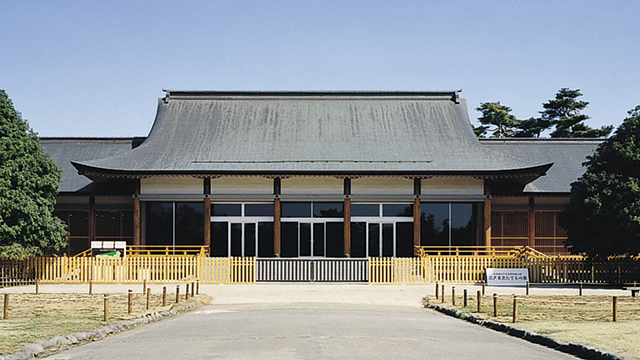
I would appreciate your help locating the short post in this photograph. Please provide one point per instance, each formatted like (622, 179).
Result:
(495, 305)
(437, 290)
(453, 295)
(6, 307)
(483, 285)
(615, 308)
(443, 293)
(37, 287)
(90, 287)
(106, 307)
(177, 294)
(186, 293)
(527, 288)
(465, 297)
(515, 309)
(148, 298)
(193, 289)
(197, 287)
(580, 289)
(130, 302)
(479, 302)
(164, 296)
(144, 286)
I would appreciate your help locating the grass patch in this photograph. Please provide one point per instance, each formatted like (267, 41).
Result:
(580, 319)
(35, 317)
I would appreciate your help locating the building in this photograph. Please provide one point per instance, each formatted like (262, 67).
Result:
(315, 174)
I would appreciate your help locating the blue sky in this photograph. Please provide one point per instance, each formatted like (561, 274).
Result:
(97, 68)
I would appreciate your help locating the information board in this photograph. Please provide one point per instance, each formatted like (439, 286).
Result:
(507, 277)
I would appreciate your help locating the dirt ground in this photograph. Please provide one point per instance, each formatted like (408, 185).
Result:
(33, 317)
(580, 319)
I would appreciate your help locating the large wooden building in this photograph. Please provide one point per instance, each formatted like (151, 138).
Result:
(315, 174)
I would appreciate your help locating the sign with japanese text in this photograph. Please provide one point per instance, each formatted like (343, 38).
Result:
(507, 277)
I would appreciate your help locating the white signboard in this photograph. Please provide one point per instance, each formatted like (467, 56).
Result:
(507, 277)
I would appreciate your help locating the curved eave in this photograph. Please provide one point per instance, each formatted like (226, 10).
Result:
(521, 175)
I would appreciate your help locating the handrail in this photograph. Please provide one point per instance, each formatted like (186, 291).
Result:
(493, 251)
(167, 250)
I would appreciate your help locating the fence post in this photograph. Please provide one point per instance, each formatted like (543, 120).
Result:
(527, 288)
(37, 287)
(442, 295)
(144, 286)
(437, 290)
(177, 294)
(193, 286)
(479, 302)
(580, 289)
(106, 308)
(148, 298)
(453, 295)
(6, 306)
(483, 285)
(197, 286)
(615, 308)
(186, 293)
(465, 297)
(90, 287)
(515, 309)
(164, 296)
(495, 305)
(130, 301)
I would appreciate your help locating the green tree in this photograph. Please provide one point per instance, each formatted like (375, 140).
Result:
(602, 217)
(532, 127)
(28, 184)
(565, 113)
(499, 116)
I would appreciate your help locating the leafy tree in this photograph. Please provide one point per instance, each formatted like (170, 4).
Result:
(532, 127)
(565, 113)
(28, 184)
(602, 217)
(480, 131)
(498, 116)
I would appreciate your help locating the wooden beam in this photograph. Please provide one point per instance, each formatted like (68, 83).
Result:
(207, 213)
(417, 212)
(277, 189)
(487, 215)
(347, 217)
(532, 223)
(137, 216)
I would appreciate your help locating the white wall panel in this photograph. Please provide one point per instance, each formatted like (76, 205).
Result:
(172, 185)
(241, 185)
(453, 186)
(382, 185)
(312, 185)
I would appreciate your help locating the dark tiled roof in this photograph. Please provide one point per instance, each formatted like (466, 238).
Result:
(64, 150)
(567, 156)
(311, 133)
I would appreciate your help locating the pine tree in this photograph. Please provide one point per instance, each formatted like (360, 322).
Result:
(565, 112)
(28, 185)
(602, 217)
(498, 116)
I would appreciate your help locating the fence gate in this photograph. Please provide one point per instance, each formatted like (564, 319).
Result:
(312, 270)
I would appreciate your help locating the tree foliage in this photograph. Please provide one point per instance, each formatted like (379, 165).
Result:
(602, 217)
(498, 116)
(565, 113)
(28, 184)
(562, 114)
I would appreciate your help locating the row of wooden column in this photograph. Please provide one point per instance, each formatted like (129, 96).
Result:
(277, 191)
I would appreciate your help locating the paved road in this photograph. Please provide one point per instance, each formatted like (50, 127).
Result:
(311, 321)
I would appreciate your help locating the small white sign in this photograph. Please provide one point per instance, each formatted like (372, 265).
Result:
(507, 277)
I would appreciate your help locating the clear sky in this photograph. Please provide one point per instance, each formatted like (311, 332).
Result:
(97, 68)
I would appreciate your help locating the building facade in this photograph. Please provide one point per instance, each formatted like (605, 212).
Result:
(315, 174)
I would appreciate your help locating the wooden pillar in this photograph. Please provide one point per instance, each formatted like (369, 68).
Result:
(137, 216)
(207, 213)
(417, 212)
(532, 224)
(277, 189)
(487, 215)
(92, 219)
(347, 217)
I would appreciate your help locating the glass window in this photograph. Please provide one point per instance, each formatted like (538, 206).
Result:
(404, 239)
(328, 210)
(226, 209)
(159, 221)
(397, 210)
(374, 240)
(258, 210)
(289, 240)
(358, 239)
(265, 239)
(220, 238)
(295, 209)
(463, 224)
(335, 239)
(189, 223)
(434, 224)
(365, 210)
